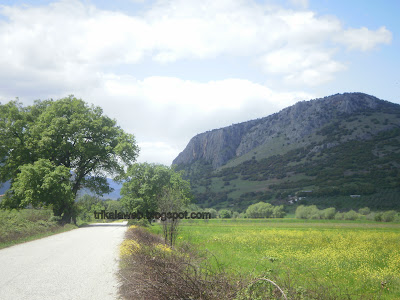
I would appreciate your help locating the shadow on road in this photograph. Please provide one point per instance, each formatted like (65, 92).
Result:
(121, 224)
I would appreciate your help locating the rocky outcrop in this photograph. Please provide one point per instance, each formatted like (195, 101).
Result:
(216, 146)
(295, 122)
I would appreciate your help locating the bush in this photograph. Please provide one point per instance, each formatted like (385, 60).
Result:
(265, 210)
(389, 216)
(260, 210)
(364, 211)
(18, 224)
(329, 213)
(307, 212)
(279, 212)
(370, 216)
(378, 216)
(141, 222)
(212, 211)
(339, 216)
(351, 215)
(224, 214)
(157, 271)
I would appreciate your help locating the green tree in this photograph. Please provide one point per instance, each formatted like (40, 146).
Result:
(212, 211)
(170, 202)
(278, 212)
(308, 212)
(150, 188)
(235, 215)
(146, 184)
(364, 211)
(328, 213)
(389, 216)
(260, 210)
(86, 201)
(351, 215)
(85, 204)
(67, 133)
(224, 214)
(44, 184)
(113, 205)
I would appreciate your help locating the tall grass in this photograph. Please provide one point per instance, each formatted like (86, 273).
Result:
(24, 224)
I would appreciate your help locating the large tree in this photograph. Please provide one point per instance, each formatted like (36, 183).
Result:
(68, 133)
(150, 188)
(147, 185)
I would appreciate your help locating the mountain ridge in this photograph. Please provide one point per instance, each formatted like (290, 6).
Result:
(238, 139)
(337, 145)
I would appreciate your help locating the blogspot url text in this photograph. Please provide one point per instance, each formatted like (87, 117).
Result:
(163, 216)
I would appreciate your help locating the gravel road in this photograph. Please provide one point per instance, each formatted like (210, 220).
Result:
(78, 264)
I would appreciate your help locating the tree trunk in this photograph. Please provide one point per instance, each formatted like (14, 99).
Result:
(67, 214)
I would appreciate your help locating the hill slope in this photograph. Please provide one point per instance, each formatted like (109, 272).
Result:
(335, 146)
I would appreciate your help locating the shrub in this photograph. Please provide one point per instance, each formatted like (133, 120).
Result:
(141, 222)
(224, 214)
(279, 212)
(152, 270)
(364, 211)
(389, 216)
(378, 216)
(371, 216)
(339, 216)
(260, 210)
(213, 212)
(351, 215)
(329, 213)
(19, 224)
(308, 212)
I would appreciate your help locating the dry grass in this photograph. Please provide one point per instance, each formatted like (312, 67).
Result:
(155, 271)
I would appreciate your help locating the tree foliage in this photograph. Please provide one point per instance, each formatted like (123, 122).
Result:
(72, 137)
(224, 214)
(43, 184)
(265, 210)
(146, 185)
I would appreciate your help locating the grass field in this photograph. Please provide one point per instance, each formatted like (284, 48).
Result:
(347, 259)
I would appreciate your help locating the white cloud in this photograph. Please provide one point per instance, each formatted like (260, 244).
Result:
(162, 151)
(299, 3)
(67, 35)
(364, 39)
(303, 66)
(165, 112)
(68, 47)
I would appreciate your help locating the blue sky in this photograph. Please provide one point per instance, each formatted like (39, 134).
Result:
(168, 70)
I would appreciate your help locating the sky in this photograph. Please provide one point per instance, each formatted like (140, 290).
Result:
(168, 70)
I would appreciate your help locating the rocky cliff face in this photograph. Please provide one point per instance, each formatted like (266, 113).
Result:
(220, 145)
(216, 146)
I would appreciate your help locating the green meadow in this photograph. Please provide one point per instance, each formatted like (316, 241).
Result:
(339, 259)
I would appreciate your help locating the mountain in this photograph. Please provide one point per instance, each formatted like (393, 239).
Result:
(333, 146)
(4, 187)
(114, 195)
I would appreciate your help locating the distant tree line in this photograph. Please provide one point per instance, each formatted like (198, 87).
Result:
(312, 212)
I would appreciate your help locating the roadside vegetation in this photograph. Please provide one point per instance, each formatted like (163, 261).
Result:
(28, 224)
(306, 259)
(151, 269)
